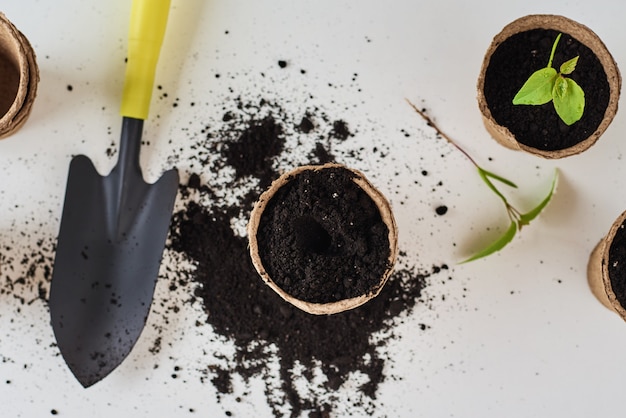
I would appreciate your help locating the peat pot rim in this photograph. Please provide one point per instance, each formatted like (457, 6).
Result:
(581, 33)
(345, 304)
(15, 47)
(598, 270)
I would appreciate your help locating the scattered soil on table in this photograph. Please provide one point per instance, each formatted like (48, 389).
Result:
(250, 152)
(30, 275)
(310, 365)
(323, 352)
(321, 237)
(540, 127)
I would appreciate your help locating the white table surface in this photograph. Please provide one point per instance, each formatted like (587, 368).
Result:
(518, 334)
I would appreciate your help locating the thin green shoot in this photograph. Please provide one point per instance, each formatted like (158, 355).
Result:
(518, 218)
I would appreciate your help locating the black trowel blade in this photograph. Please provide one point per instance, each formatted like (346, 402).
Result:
(111, 240)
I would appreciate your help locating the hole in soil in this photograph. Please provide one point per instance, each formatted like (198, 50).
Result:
(311, 236)
(9, 83)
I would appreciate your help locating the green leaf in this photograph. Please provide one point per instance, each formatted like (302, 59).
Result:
(569, 100)
(537, 90)
(568, 67)
(497, 245)
(499, 178)
(529, 216)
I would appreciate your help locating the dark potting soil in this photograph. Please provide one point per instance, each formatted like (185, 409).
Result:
(617, 265)
(260, 140)
(308, 364)
(239, 306)
(10, 76)
(540, 127)
(322, 239)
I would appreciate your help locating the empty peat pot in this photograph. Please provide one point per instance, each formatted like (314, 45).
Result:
(323, 238)
(523, 47)
(606, 271)
(19, 76)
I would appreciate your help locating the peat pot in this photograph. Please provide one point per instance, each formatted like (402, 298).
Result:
(19, 76)
(323, 238)
(606, 270)
(524, 47)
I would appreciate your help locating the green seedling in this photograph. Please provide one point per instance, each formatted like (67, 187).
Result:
(518, 218)
(547, 85)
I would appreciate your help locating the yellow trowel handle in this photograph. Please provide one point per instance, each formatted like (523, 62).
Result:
(148, 19)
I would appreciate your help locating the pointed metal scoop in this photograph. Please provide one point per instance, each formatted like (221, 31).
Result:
(113, 228)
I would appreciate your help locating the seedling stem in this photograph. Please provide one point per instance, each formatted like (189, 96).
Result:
(518, 219)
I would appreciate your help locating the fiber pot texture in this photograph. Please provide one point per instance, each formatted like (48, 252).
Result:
(19, 76)
(606, 271)
(520, 49)
(323, 238)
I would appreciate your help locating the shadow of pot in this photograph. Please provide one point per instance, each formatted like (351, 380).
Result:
(519, 50)
(323, 238)
(606, 270)
(19, 76)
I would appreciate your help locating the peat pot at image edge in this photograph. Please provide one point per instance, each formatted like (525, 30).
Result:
(606, 270)
(19, 77)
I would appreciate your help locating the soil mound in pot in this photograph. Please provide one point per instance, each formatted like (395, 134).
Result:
(539, 127)
(617, 265)
(322, 239)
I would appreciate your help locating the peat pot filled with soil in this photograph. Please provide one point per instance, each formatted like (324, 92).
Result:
(323, 238)
(606, 270)
(564, 108)
(19, 76)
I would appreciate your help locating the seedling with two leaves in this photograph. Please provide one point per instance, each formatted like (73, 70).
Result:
(547, 85)
(518, 219)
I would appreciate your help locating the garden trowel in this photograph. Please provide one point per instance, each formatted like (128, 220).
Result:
(113, 228)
